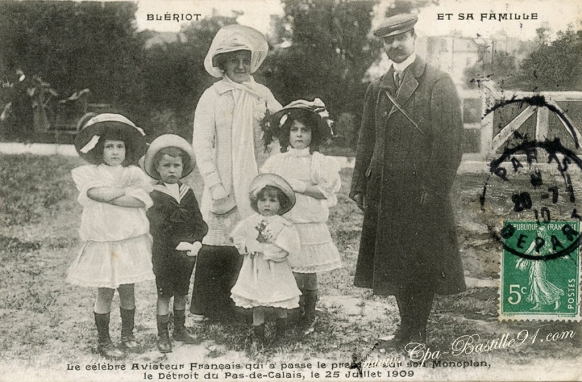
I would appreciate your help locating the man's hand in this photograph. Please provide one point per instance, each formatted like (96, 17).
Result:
(360, 200)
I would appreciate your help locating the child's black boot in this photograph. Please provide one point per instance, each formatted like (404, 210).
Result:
(280, 330)
(105, 347)
(181, 333)
(164, 344)
(259, 333)
(308, 325)
(127, 325)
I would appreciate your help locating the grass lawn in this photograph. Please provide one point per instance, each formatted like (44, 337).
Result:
(47, 326)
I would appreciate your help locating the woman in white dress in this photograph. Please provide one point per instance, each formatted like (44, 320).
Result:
(228, 145)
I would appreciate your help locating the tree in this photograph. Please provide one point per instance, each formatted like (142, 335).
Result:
(500, 67)
(542, 35)
(76, 45)
(407, 6)
(553, 65)
(175, 78)
(322, 50)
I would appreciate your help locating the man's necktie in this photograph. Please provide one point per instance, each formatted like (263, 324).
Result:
(397, 78)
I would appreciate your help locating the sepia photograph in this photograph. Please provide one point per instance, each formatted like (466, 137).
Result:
(296, 190)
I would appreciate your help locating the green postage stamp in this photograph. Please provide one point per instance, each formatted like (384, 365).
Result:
(540, 271)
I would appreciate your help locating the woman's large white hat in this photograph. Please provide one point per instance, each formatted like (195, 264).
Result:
(237, 37)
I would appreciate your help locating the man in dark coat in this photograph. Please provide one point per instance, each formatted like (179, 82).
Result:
(409, 150)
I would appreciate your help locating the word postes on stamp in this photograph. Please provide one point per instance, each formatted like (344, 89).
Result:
(540, 271)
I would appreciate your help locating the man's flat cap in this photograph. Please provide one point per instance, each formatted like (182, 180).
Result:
(395, 25)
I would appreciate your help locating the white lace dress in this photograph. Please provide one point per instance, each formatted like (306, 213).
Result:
(265, 278)
(116, 245)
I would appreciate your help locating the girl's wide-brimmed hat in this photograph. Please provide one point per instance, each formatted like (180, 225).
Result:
(232, 38)
(110, 125)
(274, 180)
(163, 141)
(317, 107)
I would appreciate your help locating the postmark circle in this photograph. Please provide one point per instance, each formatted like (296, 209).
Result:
(511, 161)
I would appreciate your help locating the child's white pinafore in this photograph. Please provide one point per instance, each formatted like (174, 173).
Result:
(265, 278)
(309, 215)
(116, 245)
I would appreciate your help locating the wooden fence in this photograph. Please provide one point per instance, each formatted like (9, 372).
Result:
(506, 115)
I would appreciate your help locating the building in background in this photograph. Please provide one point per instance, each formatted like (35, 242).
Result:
(455, 53)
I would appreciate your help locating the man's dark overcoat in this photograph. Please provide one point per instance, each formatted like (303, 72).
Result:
(406, 173)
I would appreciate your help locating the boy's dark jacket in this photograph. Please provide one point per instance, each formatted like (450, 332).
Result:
(172, 222)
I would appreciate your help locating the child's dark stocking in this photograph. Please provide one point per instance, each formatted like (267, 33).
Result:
(309, 317)
(181, 333)
(164, 344)
(301, 306)
(105, 346)
(280, 324)
(259, 325)
(127, 324)
(307, 284)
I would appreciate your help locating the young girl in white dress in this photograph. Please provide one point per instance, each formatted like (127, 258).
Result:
(116, 251)
(266, 239)
(301, 127)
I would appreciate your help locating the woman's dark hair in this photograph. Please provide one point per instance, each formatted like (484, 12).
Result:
(220, 59)
(271, 191)
(310, 120)
(174, 152)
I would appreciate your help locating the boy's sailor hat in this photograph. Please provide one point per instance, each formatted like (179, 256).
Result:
(163, 141)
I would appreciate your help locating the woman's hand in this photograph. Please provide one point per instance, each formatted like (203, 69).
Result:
(218, 192)
(222, 202)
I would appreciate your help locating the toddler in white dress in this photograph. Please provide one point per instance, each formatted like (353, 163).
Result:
(266, 240)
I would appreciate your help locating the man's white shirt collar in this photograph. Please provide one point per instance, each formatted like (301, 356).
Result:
(401, 67)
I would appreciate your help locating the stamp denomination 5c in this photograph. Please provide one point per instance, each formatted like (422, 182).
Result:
(540, 271)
